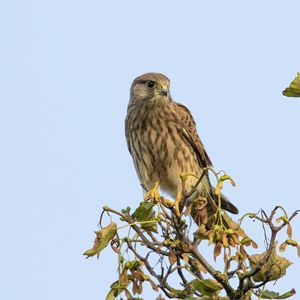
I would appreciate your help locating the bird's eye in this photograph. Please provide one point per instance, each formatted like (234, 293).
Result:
(150, 84)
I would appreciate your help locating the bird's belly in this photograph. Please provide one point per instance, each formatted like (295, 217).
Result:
(163, 156)
(171, 161)
(171, 179)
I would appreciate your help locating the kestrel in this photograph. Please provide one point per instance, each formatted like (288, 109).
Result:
(163, 141)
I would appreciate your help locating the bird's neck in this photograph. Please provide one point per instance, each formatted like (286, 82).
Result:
(150, 112)
(155, 103)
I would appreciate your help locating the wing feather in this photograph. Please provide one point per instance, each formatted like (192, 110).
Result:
(187, 127)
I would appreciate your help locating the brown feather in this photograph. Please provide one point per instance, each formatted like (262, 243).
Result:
(163, 141)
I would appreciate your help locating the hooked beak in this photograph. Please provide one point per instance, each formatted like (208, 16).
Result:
(163, 91)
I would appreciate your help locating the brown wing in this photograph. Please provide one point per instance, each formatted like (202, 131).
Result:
(187, 126)
(127, 134)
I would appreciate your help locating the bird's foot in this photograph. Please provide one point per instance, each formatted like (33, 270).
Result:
(178, 204)
(153, 194)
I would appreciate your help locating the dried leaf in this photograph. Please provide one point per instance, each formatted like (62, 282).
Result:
(102, 239)
(204, 215)
(243, 252)
(246, 241)
(153, 285)
(273, 269)
(229, 252)
(289, 230)
(172, 257)
(273, 295)
(236, 239)
(217, 250)
(139, 275)
(244, 268)
(199, 215)
(211, 234)
(232, 242)
(114, 243)
(140, 287)
(185, 257)
(254, 245)
(135, 287)
(225, 240)
(225, 256)
(124, 280)
(282, 247)
(201, 202)
(298, 250)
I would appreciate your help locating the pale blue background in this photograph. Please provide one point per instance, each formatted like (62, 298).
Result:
(65, 72)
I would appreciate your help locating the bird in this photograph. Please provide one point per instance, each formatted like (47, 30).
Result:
(163, 141)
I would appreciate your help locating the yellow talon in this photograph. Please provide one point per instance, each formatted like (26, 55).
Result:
(153, 194)
(177, 204)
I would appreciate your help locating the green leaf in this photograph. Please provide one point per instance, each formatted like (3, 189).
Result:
(102, 239)
(115, 290)
(273, 269)
(145, 212)
(110, 295)
(274, 295)
(294, 89)
(206, 286)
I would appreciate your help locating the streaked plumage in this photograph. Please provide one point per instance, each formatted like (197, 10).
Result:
(162, 137)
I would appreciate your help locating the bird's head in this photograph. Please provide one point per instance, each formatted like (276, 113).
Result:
(150, 86)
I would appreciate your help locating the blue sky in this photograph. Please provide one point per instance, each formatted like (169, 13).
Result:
(65, 72)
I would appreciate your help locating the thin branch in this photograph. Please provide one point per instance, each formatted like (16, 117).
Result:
(259, 265)
(180, 273)
(129, 220)
(295, 213)
(165, 287)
